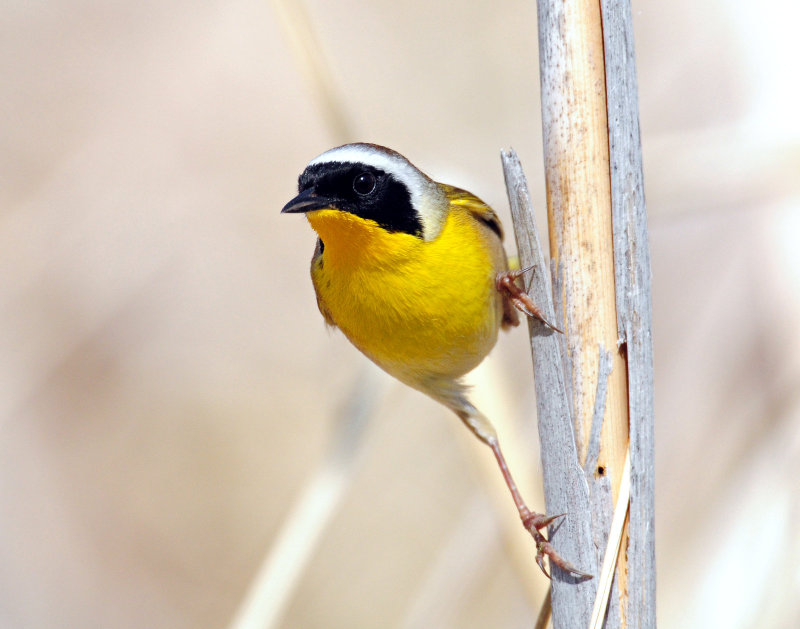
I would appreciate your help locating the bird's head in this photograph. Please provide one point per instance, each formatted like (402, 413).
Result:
(351, 191)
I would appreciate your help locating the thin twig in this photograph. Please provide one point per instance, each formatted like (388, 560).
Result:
(545, 612)
(306, 47)
(612, 548)
(273, 586)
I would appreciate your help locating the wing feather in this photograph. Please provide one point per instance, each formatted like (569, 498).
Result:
(478, 208)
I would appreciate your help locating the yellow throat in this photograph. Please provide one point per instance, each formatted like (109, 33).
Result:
(418, 308)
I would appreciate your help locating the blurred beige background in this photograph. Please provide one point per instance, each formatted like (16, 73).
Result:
(168, 390)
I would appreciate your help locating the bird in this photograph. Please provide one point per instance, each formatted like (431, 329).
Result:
(414, 273)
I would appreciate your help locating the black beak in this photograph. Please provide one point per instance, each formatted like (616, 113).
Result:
(306, 201)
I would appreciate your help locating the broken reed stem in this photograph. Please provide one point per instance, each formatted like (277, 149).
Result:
(634, 309)
(566, 490)
(584, 203)
(601, 266)
(575, 131)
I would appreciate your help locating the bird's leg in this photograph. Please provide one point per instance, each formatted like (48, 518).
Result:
(532, 521)
(508, 287)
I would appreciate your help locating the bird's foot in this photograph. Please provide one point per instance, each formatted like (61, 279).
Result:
(507, 285)
(535, 521)
(531, 520)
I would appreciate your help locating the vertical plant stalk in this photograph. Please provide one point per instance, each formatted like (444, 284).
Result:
(577, 176)
(598, 241)
(634, 309)
(566, 489)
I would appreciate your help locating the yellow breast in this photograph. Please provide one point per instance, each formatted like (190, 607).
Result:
(418, 309)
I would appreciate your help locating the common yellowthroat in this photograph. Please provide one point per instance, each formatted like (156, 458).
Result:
(414, 273)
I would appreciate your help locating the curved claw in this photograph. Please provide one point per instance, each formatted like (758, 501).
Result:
(539, 520)
(533, 522)
(540, 562)
(546, 548)
(506, 283)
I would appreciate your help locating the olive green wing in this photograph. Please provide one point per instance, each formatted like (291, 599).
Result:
(477, 208)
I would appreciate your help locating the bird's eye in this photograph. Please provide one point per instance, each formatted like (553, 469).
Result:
(364, 183)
